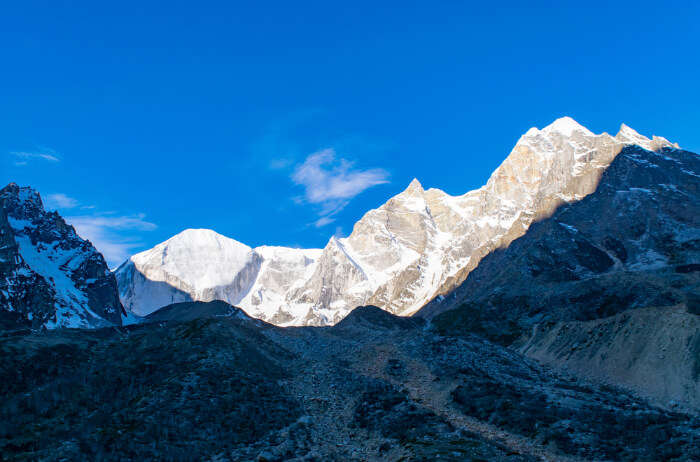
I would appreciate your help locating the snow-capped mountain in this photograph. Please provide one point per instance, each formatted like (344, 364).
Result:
(608, 286)
(418, 245)
(49, 276)
(202, 265)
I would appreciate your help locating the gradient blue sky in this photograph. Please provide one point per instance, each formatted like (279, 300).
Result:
(283, 122)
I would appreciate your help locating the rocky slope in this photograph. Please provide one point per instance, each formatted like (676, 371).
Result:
(420, 244)
(49, 276)
(374, 387)
(571, 291)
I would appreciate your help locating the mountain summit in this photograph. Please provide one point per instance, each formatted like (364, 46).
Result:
(196, 264)
(418, 245)
(606, 287)
(49, 276)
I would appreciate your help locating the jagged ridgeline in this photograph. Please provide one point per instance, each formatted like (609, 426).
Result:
(554, 316)
(607, 287)
(413, 250)
(417, 246)
(49, 276)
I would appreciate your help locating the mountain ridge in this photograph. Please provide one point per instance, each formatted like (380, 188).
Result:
(421, 243)
(49, 276)
(606, 287)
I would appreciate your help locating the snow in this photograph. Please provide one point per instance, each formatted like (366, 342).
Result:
(269, 252)
(19, 225)
(569, 227)
(629, 136)
(566, 126)
(47, 263)
(671, 187)
(201, 257)
(690, 173)
(53, 255)
(428, 236)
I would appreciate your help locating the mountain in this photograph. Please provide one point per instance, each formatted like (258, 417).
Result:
(196, 264)
(49, 276)
(419, 245)
(563, 324)
(608, 286)
(200, 264)
(375, 387)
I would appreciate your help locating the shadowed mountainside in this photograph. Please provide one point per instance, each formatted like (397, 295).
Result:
(374, 387)
(569, 292)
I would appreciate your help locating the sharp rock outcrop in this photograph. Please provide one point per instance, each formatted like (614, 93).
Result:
(49, 276)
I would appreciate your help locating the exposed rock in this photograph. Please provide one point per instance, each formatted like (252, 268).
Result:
(631, 244)
(418, 245)
(654, 351)
(49, 276)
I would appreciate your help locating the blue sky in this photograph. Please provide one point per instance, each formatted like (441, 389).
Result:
(283, 122)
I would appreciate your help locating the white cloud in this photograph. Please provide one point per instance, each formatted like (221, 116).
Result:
(25, 156)
(108, 233)
(323, 221)
(332, 183)
(60, 201)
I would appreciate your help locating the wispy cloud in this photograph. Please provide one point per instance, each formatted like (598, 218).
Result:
(110, 233)
(45, 154)
(115, 236)
(60, 201)
(323, 221)
(332, 183)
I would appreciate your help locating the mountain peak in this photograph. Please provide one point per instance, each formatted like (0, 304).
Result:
(427, 240)
(628, 135)
(22, 194)
(49, 276)
(566, 126)
(197, 262)
(414, 187)
(205, 236)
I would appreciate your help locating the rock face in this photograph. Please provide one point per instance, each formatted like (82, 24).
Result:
(571, 290)
(49, 276)
(418, 245)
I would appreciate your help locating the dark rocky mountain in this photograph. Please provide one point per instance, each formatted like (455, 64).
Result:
(374, 387)
(49, 276)
(607, 287)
